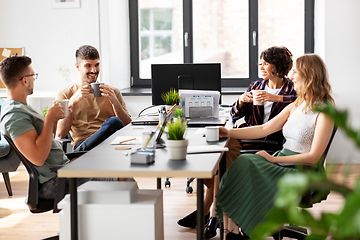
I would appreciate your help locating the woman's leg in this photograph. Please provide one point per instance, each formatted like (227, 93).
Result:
(208, 200)
(229, 226)
(215, 191)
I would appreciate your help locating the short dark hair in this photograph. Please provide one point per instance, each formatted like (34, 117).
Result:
(87, 52)
(12, 69)
(280, 57)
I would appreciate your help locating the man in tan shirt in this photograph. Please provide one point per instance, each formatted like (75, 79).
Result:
(91, 119)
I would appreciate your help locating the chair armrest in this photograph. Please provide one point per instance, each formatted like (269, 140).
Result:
(261, 142)
(304, 166)
(77, 154)
(63, 140)
(253, 151)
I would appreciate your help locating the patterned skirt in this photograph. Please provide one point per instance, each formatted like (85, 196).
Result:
(247, 189)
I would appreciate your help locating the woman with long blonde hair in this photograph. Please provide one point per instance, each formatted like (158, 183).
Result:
(248, 187)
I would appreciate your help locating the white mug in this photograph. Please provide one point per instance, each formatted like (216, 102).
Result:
(65, 106)
(212, 133)
(255, 92)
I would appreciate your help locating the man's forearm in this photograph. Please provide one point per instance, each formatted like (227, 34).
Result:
(64, 126)
(120, 113)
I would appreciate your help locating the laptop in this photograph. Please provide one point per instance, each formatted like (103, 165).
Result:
(206, 121)
(146, 120)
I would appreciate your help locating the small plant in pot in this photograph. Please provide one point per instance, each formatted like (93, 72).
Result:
(170, 98)
(176, 144)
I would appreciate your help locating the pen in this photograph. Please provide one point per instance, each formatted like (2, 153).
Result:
(128, 140)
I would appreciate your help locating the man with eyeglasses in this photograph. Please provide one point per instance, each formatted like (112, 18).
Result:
(31, 132)
(91, 119)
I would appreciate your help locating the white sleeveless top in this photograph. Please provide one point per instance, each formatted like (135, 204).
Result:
(299, 129)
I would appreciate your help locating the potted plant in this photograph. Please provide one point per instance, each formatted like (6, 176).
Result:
(170, 98)
(176, 144)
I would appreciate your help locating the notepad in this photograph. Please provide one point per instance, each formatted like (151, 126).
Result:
(206, 149)
(118, 140)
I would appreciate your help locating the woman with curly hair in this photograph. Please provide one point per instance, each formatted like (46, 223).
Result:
(275, 64)
(247, 190)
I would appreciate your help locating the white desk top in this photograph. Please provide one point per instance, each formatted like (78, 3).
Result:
(105, 161)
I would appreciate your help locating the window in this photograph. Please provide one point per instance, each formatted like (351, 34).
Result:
(231, 32)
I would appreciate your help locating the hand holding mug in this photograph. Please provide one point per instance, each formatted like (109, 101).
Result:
(258, 97)
(55, 112)
(95, 88)
(223, 132)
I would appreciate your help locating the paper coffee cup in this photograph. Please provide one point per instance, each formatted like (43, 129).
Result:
(255, 92)
(95, 87)
(212, 133)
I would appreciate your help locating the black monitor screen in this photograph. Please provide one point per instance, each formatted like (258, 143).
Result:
(196, 76)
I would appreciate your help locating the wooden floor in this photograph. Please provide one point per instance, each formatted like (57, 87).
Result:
(16, 222)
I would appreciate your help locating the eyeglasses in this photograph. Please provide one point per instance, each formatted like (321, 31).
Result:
(35, 76)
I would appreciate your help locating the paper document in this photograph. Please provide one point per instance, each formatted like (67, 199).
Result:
(126, 140)
(206, 149)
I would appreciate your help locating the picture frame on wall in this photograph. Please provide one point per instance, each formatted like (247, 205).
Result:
(65, 3)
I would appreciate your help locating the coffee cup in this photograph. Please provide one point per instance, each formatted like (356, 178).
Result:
(95, 87)
(212, 133)
(65, 106)
(255, 92)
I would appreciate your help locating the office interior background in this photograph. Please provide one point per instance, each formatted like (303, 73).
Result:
(50, 37)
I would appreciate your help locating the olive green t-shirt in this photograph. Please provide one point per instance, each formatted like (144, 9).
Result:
(18, 118)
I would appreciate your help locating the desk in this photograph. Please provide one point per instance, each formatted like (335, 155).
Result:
(105, 161)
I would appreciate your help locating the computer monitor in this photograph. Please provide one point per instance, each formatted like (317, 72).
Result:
(195, 76)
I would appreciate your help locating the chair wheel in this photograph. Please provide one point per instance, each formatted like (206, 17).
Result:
(167, 183)
(189, 189)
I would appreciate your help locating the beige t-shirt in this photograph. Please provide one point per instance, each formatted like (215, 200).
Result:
(90, 113)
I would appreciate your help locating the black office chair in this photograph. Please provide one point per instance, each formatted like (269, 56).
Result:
(36, 204)
(64, 142)
(255, 145)
(310, 198)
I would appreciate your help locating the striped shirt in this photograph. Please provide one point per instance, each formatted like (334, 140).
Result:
(254, 114)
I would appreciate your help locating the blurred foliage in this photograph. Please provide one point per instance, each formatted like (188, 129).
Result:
(44, 112)
(345, 224)
(179, 113)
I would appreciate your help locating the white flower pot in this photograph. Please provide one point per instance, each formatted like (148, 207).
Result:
(176, 149)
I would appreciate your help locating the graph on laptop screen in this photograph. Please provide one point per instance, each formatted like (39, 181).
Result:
(196, 76)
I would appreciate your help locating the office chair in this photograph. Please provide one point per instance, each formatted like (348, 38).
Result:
(310, 198)
(9, 162)
(36, 204)
(64, 142)
(253, 146)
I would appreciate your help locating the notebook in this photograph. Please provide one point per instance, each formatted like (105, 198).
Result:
(146, 120)
(206, 121)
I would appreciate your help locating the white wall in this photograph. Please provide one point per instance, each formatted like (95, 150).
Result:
(51, 36)
(337, 42)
